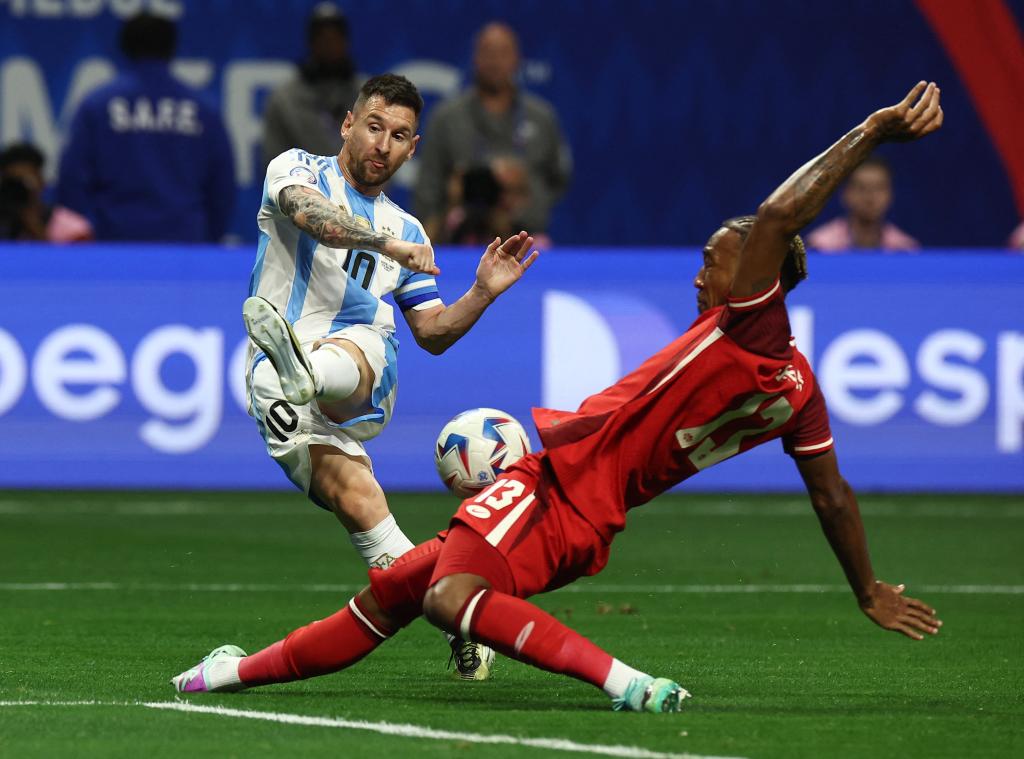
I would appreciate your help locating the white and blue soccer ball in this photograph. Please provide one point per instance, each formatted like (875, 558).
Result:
(476, 446)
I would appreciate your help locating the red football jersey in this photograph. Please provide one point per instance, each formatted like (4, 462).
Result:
(734, 380)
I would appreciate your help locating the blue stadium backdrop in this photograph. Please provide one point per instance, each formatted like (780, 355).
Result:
(122, 366)
(680, 112)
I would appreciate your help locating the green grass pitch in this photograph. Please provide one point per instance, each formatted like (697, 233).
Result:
(104, 596)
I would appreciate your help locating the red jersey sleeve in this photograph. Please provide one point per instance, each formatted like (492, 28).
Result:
(759, 323)
(811, 435)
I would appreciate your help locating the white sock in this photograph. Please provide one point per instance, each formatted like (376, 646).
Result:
(618, 678)
(381, 545)
(335, 372)
(222, 672)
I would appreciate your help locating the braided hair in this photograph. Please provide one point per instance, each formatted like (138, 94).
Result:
(794, 268)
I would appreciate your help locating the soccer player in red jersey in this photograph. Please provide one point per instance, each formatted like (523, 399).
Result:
(732, 381)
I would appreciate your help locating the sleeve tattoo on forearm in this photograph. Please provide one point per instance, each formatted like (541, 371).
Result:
(330, 224)
(811, 188)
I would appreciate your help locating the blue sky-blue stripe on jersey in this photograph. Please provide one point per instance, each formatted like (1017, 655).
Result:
(411, 232)
(261, 247)
(303, 268)
(337, 168)
(323, 165)
(388, 380)
(389, 377)
(358, 306)
(257, 268)
(414, 300)
(417, 293)
(360, 204)
(411, 278)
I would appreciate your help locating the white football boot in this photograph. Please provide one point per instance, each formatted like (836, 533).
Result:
(275, 337)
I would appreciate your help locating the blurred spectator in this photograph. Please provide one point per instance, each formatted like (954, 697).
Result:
(493, 119)
(23, 213)
(1017, 238)
(866, 197)
(146, 159)
(475, 216)
(514, 179)
(306, 112)
(487, 202)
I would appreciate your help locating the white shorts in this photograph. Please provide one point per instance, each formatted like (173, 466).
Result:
(289, 430)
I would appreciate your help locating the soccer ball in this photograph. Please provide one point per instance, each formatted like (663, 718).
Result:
(477, 446)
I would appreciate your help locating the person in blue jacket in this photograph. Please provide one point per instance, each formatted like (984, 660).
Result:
(146, 158)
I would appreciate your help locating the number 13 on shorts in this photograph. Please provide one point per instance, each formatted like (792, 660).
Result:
(493, 504)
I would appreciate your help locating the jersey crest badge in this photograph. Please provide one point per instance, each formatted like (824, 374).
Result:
(793, 375)
(303, 173)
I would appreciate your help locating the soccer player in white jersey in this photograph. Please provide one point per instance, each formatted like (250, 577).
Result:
(321, 372)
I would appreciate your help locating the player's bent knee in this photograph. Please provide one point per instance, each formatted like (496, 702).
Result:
(447, 597)
(372, 608)
(439, 609)
(399, 590)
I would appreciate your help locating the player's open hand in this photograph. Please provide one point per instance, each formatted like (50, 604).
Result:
(415, 256)
(889, 608)
(918, 114)
(503, 263)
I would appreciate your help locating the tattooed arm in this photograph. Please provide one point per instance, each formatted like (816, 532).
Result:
(335, 227)
(800, 198)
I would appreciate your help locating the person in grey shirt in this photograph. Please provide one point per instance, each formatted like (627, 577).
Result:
(492, 119)
(306, 111)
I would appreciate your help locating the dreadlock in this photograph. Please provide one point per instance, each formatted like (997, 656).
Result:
(794, 268)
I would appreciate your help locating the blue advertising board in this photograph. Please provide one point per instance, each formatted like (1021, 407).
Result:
(121, 366)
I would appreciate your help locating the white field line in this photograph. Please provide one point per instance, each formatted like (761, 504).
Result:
(880, 507)
(388, 728)
(140, 508)
(64, 703)
(160, 587)
(877, 507)
(585, 587)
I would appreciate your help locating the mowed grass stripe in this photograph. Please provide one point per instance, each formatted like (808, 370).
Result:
(403, 730)
(693, 505)
(584, 587)
(762, 630)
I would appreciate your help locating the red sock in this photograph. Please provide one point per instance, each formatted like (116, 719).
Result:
(319, 648)
(520, 630)
(346, 637)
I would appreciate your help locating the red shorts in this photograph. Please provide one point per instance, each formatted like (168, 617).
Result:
(538, 541)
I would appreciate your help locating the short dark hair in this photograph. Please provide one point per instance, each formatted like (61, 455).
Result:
(394, 89)
(794, 267)
(323, 16)
(21, 152)
(876, 161)
(148, 36)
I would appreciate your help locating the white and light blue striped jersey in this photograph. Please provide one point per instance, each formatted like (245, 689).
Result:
(321, 290)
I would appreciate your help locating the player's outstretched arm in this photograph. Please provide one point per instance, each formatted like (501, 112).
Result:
(799, 199)
(501, 266)
(836, 506)
(335, 227)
